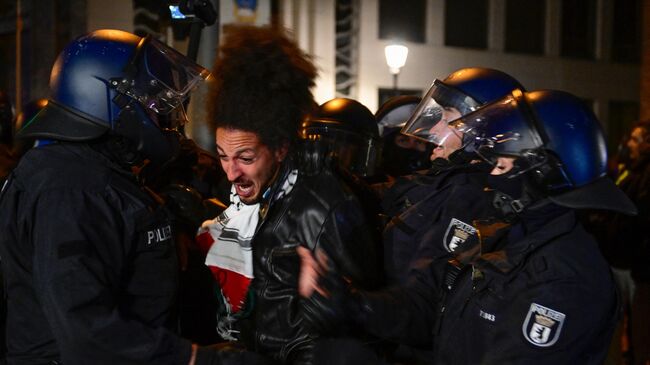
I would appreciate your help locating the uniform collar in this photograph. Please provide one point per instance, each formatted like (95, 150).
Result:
(502, 249)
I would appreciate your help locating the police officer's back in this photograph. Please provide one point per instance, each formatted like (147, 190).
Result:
(89, 257)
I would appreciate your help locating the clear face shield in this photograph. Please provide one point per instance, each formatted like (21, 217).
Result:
(440, 106)
(507, 128)
(499, 128)
(161, 79)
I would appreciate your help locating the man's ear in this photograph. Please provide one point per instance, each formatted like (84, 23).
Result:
(281, 152)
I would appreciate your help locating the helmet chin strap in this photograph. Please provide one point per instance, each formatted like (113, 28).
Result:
(509, 206)
(514, 194)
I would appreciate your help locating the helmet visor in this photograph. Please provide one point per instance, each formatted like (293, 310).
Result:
(504, 127)
(164, 77)
(356, 153)
(440, 106)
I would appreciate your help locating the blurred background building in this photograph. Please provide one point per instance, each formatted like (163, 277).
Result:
(592, 48)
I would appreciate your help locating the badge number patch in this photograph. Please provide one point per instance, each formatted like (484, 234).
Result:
(457, 233)
(543, 325)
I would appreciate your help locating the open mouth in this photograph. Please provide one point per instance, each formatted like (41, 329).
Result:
(244, 190)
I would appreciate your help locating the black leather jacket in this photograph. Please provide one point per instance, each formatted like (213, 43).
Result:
(319, 213)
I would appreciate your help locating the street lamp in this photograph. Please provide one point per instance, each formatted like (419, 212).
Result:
(395, 58)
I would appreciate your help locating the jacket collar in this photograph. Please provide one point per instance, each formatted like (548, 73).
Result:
(278, 189)
(500, 251)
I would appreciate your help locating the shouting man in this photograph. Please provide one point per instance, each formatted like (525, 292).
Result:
(259, 99)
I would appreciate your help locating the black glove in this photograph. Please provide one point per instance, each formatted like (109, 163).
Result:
(185, 203)
(333, 311)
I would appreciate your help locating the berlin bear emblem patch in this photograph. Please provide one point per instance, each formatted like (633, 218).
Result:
(543, 325)
(457, 233)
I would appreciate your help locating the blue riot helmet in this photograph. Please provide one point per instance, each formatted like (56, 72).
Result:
(557, 143)
(401, 154)
(458, 94)
(110, 80)
(345, 132)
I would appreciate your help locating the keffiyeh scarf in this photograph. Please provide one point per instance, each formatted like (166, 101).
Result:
(227, 239)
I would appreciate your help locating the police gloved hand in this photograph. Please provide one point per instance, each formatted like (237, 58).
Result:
(329, 302)
(186, 204)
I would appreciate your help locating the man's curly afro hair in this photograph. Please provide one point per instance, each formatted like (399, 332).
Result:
(261, 84)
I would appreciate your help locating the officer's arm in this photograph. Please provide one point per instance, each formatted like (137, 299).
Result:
(404, 314)
(347, 239)
(407, 314)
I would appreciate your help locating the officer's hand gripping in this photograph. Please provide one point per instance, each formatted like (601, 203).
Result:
(329, 300)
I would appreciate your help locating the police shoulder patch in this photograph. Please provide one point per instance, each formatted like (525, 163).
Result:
(456, 234)
(542, 325)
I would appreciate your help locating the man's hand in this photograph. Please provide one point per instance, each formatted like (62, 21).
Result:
(311, 269)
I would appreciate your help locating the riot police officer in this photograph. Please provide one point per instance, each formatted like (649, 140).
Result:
(534, 289)
(559, 304)
(342, 133)
(401, 154)
(430, 212)
(342, 136)
(90, 262)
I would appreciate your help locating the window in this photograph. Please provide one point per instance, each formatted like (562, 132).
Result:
(578, 37)
(466, 23)
(401, 22)
(525, 26)
(626, 37)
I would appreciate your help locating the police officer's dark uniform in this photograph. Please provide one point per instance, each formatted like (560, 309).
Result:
(513, 297)
(342, 137)
(532, 299)
(510, 297)
(431, 212)
(89, 259)
(529, 299)
(438, 211)
(444, 200)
